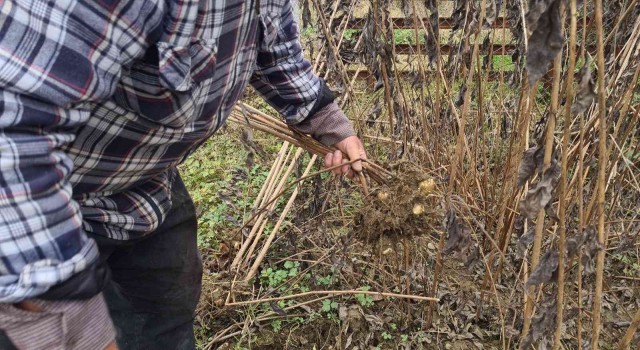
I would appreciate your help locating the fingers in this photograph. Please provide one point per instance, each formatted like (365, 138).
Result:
(111, 346)
(328, 160)
(337, 160)
(353, 149)
(28, 306)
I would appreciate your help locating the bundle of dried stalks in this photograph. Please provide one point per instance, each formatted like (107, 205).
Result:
(251, 117)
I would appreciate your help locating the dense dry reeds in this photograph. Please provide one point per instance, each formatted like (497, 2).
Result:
(536, 162)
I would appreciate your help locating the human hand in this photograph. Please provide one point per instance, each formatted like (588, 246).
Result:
(28, 306)
(112, 346)
(351, 147)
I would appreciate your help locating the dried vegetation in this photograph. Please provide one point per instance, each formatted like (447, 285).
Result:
(515, 199)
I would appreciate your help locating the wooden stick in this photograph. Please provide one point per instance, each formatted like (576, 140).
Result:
(333, 292)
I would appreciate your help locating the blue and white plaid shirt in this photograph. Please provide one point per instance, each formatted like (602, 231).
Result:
(100, 100)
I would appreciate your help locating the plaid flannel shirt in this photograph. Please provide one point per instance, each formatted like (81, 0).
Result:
(100, 100)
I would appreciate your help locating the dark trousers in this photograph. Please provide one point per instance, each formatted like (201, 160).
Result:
(156, 281)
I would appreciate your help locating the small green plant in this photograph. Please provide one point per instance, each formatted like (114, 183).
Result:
(275, 277)
(387, 336)
(326, 280)
(351, 34)
(404, 338)
(631, 265)
(364, 299)
(329, 305)
(276, 325)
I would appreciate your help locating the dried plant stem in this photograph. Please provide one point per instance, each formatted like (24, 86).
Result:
(276, 228)
(619, 21)
(602, 163)
(389, 101)
(271, 125)
(272, 205)
(333, 292)
(631, 331)
(581, 224)
(265, 194)
(261, 222)
(259, 199)
(562, 205)
(332, 46)
(416, 32)
(548, 153)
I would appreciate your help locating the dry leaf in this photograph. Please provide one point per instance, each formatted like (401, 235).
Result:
(458, 236)
(586, 90)
(543, 322)
(374, 113)
(525, 240)
(532, 161)
(277, 309)
(492, 9)
(575, 243)
(590, 249)
(546, 39)
(538, 197)
(588, 243)
(460, 99)
(546, 270)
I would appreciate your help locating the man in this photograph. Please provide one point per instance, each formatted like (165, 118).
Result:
(99, 101)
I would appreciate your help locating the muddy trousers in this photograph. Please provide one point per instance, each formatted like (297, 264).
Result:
(156, 282)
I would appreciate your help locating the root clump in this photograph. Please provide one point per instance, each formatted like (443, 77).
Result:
(407, 206)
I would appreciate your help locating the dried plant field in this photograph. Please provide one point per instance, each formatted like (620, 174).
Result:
(500, 208)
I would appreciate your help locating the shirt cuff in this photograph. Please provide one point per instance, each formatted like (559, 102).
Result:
(329, 125)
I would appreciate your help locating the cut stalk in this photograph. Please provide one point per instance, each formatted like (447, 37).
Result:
(602, 162)
(548, 153)
(562, 205)
(276, 228)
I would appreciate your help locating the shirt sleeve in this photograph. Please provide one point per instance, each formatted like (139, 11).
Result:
(41, 239)
(42, 104)
(282, 75)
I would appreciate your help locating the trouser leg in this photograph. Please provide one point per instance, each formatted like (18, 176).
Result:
(157, 281)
